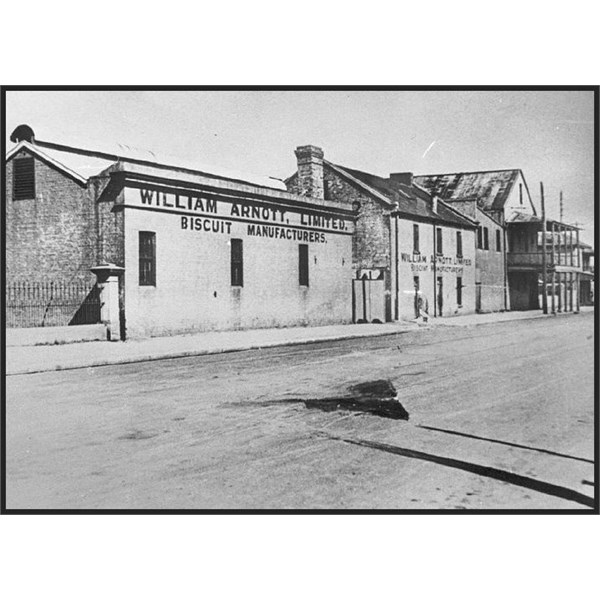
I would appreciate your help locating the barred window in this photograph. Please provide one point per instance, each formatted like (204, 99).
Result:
(24, 178)
(147, 255)
(237, 262)
(303, 264)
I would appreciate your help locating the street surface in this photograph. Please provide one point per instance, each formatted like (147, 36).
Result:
(501, 417)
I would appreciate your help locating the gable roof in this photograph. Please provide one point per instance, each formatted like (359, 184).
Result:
(350, 175)
(411, 200)
(75, 166)
(489, 188)
(81, 164)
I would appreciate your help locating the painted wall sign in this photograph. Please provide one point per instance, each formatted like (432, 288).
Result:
(207, 225)
(443, 264)
(216, 215)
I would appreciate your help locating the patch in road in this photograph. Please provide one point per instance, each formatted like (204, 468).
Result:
(377, 397)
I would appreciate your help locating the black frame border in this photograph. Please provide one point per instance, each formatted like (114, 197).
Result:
(302, 88)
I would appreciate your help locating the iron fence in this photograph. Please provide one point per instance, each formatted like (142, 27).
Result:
(52, 303)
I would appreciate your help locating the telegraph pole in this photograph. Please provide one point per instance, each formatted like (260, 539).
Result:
(561, 207)
(544, 267)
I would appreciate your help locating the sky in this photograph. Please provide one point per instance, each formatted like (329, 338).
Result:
(547, 134)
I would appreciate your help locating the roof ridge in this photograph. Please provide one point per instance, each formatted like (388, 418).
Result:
(469, 172)
(155, 162)
(44, 157)
(457, 213)
(369, 188)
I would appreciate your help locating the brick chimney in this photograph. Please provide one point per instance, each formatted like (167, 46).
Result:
(310, 171)
(405, 178)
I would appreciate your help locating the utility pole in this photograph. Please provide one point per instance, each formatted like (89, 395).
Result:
(553, 268)
(561, 207)
(544, 268)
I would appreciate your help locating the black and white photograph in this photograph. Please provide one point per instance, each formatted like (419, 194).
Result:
(300, 299)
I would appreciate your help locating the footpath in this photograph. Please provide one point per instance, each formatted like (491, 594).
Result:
(36, 359)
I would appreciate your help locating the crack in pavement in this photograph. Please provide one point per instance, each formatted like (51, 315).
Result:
(482, 470)
(513, 444)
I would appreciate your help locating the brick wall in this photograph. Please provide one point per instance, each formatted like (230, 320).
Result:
(57, 237)
(111, 228)
(371, 241)
(51, 237)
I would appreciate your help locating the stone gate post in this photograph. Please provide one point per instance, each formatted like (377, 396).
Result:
(107, 275)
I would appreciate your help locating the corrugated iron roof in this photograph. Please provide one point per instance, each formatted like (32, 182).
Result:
(85, 166)
(410, 199)
(87, 163)
(525, 218)
(489, 188)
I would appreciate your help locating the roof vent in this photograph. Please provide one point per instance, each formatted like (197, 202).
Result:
(22, 133)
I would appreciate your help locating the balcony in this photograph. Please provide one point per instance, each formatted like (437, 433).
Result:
(533, 260)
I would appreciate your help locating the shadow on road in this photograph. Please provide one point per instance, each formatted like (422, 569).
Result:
(499, 474)
(514, 445)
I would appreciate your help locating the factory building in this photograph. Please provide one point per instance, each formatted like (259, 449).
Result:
(152, 246)
(158, 248)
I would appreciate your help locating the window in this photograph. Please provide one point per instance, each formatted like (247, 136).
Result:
(439, 247)
(237, 263)
(415, 239)
(459, 243)
(486, 238)
(459, 291)
(303, 264)
(417, 283)
(498, 241)
(147, 253)
(23, 178)
(479, 237)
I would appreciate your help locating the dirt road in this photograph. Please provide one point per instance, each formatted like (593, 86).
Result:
(501, 416)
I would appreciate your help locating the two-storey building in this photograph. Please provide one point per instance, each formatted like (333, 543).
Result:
(492, 199)
(527, 258)
(405, 240)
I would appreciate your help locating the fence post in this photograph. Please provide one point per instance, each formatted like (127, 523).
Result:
(108, 275)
